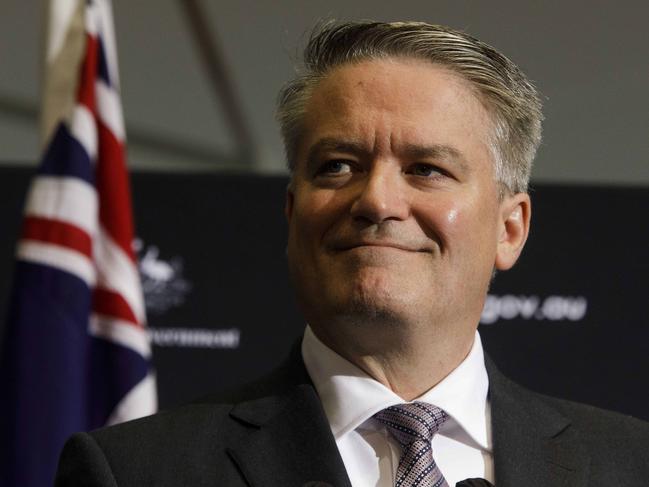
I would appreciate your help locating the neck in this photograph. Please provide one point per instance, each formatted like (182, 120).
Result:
(409, 360)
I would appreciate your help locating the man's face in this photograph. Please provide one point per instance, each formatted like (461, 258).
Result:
(393, 210)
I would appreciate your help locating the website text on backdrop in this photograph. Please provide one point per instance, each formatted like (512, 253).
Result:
(410, 147)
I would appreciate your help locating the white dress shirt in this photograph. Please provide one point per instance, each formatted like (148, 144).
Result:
(461, 448)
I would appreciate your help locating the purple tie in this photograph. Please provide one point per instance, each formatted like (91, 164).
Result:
(413, 426)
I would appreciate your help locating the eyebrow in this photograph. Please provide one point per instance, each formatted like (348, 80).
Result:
(332, 144)
(411, 151)
(435, 151)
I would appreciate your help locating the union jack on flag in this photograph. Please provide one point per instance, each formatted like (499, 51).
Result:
(76, 352)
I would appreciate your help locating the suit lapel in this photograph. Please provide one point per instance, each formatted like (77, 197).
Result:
(534, 445)
(285, 439)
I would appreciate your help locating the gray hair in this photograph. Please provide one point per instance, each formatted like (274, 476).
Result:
(507, 94)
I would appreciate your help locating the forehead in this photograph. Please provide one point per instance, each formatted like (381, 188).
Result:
(411, 75)
(392, 101)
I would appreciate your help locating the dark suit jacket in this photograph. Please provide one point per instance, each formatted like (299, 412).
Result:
(275, 433)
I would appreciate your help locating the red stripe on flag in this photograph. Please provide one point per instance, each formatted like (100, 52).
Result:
(58, 233)
(114, 190)
(86, 89)
(110, 303)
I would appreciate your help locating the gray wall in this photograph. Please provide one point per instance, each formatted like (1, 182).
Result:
(589, 59)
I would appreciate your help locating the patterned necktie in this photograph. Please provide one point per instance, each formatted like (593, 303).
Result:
(413, 426)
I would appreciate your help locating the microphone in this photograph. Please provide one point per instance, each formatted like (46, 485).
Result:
(474, 483)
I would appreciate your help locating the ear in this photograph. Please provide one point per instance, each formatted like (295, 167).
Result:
(515, 214)
(288, 204)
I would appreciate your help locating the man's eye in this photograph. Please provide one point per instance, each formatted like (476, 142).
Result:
(336, 167)
(425, 170)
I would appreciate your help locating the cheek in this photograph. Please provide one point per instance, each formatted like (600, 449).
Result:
(318, 202)
(474, 228)
(442, 220)
(459, 224)
(314, 212)
(454, 224)
(452, 216)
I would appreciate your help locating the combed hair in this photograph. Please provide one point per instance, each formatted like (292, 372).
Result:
(511, 99)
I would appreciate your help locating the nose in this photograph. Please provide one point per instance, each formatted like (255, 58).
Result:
(381, 196)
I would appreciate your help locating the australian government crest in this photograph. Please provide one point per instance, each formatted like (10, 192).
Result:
(165, 287)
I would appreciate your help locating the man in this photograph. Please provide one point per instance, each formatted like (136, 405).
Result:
(410, 147)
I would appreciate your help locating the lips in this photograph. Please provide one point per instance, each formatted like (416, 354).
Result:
(343, 246)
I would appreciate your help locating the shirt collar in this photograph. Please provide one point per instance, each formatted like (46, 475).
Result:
(350, 397)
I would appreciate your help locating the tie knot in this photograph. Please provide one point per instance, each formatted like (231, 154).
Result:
(413, 421)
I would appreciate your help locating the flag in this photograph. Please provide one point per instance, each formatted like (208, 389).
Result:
(76, 354)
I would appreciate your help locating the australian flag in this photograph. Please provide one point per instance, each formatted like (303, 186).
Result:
(76, 354)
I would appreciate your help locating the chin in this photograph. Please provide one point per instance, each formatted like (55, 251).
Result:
(371, 304)
(379, 288)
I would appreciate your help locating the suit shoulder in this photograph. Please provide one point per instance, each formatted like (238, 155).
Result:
(173, 422)
(184, 446)
(614, 439)
(615, 444)
(210, 413)
(615, 426)
(194, 434)
(590, 420)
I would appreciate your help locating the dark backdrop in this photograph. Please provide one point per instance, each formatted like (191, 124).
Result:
(569, 320)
